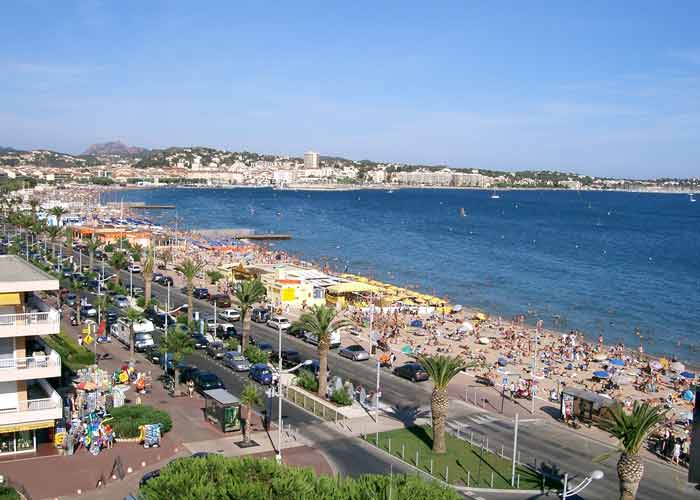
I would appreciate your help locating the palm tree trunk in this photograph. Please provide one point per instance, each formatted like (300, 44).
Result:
(630, 470)
(248, 423)
(91, 257)
(322, 367)
(246, 329)
(77, 305)
(176, 378)
(131, 346)
(438, 408)
(147, 283)
(189, 302)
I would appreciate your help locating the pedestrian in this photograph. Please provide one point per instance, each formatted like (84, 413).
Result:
(675, 459)
(392, 359)
(190, 388)
(80, 340)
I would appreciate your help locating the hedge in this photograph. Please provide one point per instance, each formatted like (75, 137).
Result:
(7, 493)
(72, 354)
(217, 477)
(127, 419)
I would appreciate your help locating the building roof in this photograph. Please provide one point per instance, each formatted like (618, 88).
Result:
(222, 396)
(17, 275)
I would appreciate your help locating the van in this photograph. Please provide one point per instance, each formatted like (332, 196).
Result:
(143, 333)
(311, 338)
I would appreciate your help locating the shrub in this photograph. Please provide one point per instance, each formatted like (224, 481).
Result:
(255, 355)
(232, 344)
(127, 419)
(141, 302)
(7, 493)
(216, 477)
(109, 248)
(307, 380)
(73, 356)
(341, 398)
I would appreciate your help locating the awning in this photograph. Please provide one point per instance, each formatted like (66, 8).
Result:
(43, 424)
(9, 299)
(352, 287)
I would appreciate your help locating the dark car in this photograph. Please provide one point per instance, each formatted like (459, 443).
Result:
(261, 373)
(296, 331)
(315, 368)
(265, 347)
(200, 293)
(111, 317)
(216, 349)
(153, 354)
(221, 300)
(411, 371)
(156, 277)
(200, 341)
(289, 358)
(206, 381)
(187, 372)
(260, 315)
(227, 332)
(93, 284)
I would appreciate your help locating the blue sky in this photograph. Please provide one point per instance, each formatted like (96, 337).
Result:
(604, 88)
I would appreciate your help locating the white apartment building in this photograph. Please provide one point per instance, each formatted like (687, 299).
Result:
(311, 160)
(29, 406)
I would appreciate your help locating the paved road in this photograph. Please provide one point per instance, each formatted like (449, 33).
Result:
(563, 451)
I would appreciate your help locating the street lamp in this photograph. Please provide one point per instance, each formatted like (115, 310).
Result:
(99, 292)
(566, 493)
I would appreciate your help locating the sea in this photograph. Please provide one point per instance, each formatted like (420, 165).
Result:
(619, 264)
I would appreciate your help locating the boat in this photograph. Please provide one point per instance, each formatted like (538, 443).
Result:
(461, 212)
(391, 191)
(692, 198)
(495, 196)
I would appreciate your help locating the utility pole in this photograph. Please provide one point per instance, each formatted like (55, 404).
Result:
(515, 449)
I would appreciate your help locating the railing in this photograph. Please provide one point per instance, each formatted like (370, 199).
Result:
(33, 405)
(324, 410)
(28, 319)
(50, 360)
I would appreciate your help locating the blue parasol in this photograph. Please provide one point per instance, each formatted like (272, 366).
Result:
(688, 375)
(688, 395)
(601, 374)
(502, 361)
(616, 362)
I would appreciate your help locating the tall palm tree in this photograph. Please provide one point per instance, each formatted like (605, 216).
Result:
(250, 397)
(78, 288)
(166, 256)
(177, 343)
(33, 205)
(134, 316)
(632, 430)
(247, 293)
(442, 370)
(118, 262)
(58, 212)
(92, 246)
(148, 266)
(53, 232)
(190, 269)
(321, 321)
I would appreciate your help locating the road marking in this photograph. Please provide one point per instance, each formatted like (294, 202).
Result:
(483, 418)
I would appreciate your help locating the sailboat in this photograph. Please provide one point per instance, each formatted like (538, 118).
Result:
(692, 198)
(495, 196)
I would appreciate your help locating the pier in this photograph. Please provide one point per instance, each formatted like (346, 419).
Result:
(241, 234)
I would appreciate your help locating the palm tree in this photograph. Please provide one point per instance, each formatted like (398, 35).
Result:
(631, 429)
(53, 232)
(134, 316)
(178, 344)
(58, 212)
(78, 288)
(247, 293)
(321, 321)
(92, 246)
(148, 266)
(190, 269)
(118, 262)
(33, 205)
(166, 256)
(249, 397)
(442, 370)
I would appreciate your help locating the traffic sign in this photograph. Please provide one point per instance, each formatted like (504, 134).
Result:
(88, 339)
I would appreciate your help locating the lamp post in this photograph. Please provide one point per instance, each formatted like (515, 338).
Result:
(99, 288)
(278, 457)
(566, 493)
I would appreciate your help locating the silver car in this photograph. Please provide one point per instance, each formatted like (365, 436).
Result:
(236, 361)
(355, 352)
(121, 301)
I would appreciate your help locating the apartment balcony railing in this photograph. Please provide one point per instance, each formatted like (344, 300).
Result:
(31, 410)
(33, 367)
(42, 320)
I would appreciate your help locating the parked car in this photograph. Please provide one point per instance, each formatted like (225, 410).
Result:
(265, 347)
(226, 331)
(260, 315)
(315, 368)
(121, 301)
(153, 354)
(200, 341)
(70, 299)
(230, 314)
(206, 381)
(134, 268)
(111, 317)
(88, 311)
(216, 349)
(411, 371)
(355, 352)
(236, 361)
(220, 299)
(279, 323)
(260, 373)
(210, 324)
(290, 358)
(188, 372)
(137, 291)
(200, 293)
(334, 340)
(296, 331)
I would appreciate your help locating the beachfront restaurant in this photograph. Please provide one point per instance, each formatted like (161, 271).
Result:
(285, 289)
(107, 235)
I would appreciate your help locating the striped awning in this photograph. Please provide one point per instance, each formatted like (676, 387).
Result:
(29, 426)
(10, 299)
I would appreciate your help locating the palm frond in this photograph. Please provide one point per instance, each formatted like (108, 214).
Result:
(441, 369)
(632, 429)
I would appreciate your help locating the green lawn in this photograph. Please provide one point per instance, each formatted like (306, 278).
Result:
(460, 461)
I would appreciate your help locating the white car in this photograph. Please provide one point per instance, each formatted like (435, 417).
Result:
(230, 314)
(134, 268)
(279, 323)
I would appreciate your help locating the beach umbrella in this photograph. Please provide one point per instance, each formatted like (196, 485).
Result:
(466, 327)
(502, 361)
(688, 395)
(417, 323)
(601, 374)
(621, 379)
(616, 362)
(655, 365)
(600, 357)
(457, 308)
(688, 375)
(407, 349)
(677, 366)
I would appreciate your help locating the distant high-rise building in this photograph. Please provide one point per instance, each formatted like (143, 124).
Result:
(311, 160)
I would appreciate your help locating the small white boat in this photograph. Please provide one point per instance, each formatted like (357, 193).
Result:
(692, 198)
(495, 196)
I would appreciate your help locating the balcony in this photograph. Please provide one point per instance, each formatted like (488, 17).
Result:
(33, 409)
(42, 320)
(30, 368)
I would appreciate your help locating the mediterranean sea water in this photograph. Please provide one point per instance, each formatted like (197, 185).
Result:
(624, 265)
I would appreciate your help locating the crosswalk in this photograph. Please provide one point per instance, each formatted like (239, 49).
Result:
(484, 418)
